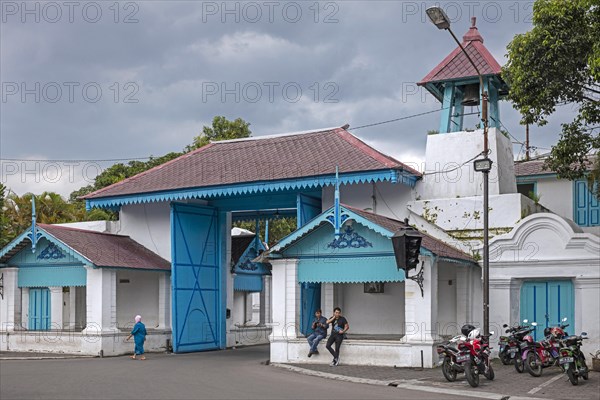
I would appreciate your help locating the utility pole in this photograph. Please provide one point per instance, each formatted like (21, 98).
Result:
(527, 142)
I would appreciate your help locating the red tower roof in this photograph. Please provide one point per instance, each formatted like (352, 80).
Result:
(456, 65)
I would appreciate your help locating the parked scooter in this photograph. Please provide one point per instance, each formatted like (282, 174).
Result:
(479, 362)
(509, 345)
(545, 353)
(520, 344)
(453, 356)
(572, 360)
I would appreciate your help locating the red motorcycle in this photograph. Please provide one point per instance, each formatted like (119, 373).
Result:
(479, 363)
(453, 356)
(545, 353)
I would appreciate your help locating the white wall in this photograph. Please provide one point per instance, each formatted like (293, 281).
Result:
(451, 176)
(390, 198)
(148, 224)
(556, 195)
(447, 316)
(374, 313)
(139, 296)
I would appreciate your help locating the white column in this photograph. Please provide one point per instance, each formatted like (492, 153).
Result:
(164, 301)
(327, 299)
(284, 301)
(25, 308)
(56, 307)
(9, 304)
(587, 319)
(463, 295)
(265, 301)
(421, 311)
(101, 300)
(72, 307)
(500, 304)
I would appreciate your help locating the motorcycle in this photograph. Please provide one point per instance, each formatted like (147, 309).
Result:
(516, 352)
(572, 360)
(453, 356)
(479, 362)
(509, 345)
(545, 353)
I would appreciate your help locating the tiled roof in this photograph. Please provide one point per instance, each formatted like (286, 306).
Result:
(456, 65)
(533, 167)
(239, 244)
(536, 166)
(259, 159)
(107, 250)
(436, 246)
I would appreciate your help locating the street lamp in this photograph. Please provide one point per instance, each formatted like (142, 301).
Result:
(439, 18)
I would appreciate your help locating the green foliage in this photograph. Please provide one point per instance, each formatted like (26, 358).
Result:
(557, 63)
(278, 228)
(432, 132)
(221, 129)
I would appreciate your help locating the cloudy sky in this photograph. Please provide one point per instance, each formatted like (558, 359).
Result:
(85, 81)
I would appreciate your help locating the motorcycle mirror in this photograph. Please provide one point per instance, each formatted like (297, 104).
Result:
(564, 319)
(534, 323)
(525, 321)
(504, 326)
(583, 333)
(492, 333)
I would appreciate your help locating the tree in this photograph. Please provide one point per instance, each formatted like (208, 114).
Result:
(221, 129)
(558, 63)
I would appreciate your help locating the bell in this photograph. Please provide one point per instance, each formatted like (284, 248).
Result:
(471, 95)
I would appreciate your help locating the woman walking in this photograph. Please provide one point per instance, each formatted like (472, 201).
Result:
(139, 337)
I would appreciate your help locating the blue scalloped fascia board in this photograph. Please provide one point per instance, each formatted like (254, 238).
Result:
(390, 175)
(322, 218)
(43, 234)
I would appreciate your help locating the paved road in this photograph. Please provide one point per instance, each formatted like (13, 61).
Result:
(230, 374)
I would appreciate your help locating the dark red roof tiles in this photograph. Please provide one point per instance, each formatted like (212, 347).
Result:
(108, 250)
(255, 159)
(432, 244)
(456, 65)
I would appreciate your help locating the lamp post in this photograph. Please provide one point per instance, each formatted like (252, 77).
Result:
(439, 18)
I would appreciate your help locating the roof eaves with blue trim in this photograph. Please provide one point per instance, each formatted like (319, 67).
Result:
(259, 165)
(97, 249)
(384, 226)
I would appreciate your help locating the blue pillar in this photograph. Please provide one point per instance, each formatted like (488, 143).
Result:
(458, 110)
(447, 108)
(494, 111)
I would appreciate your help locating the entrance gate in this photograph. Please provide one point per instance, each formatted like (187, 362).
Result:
(196, 279)
(547, 302)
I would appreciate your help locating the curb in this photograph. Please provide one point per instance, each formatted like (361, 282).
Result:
(44, 358)
(411, 384)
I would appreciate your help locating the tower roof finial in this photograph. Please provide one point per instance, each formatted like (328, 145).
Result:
(473, 33)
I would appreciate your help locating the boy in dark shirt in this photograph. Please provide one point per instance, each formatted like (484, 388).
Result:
(340, 327)
(319, 327)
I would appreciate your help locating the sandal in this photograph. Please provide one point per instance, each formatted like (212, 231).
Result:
(132, 357)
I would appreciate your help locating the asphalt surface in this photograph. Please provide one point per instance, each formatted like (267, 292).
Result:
(228, 374)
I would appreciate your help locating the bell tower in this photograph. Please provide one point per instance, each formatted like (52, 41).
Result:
(449, 155)
(455, 82)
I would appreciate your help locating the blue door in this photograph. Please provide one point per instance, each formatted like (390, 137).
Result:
(586, 208)
(547, 303)
(310, 298)
(39, 309)
(196, 279)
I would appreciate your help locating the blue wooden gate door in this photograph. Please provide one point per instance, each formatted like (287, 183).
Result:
(547, 303)
(586, 206)
(196, 279)
(310, 298)
(39, 309)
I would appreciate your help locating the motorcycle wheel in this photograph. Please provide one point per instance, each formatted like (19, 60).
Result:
(533, 363)
(505, 358)
(583, 367)
(519, 365)
(471, 374)
(489, 374)
(448, 371)
(572, 376)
